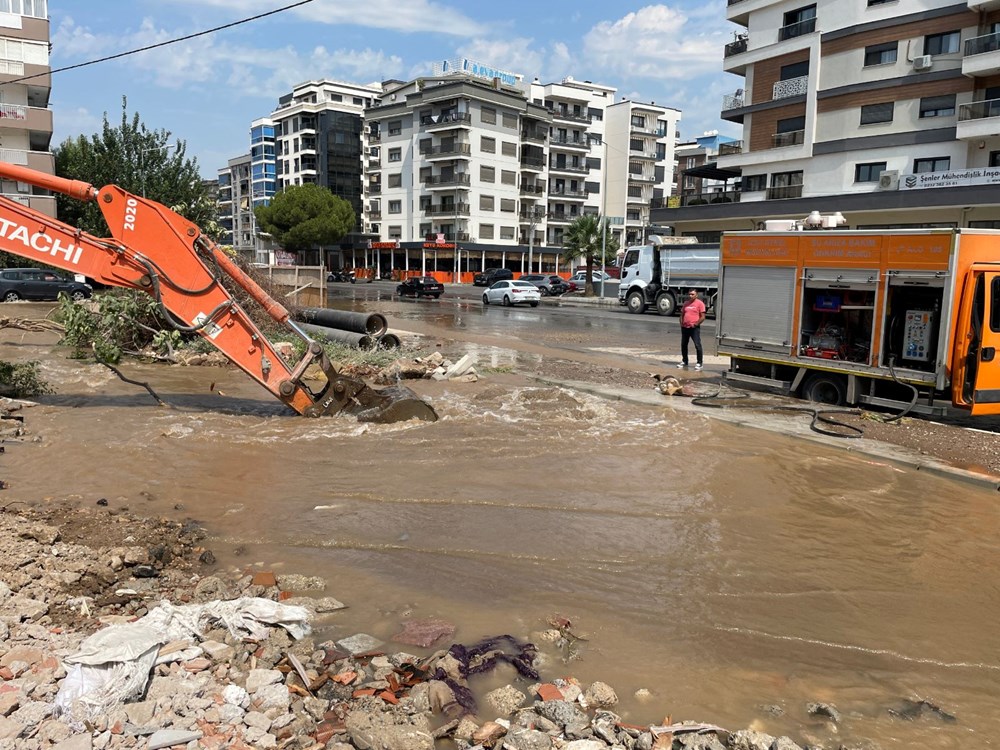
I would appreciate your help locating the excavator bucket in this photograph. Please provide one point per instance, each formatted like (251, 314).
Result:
(342, 393)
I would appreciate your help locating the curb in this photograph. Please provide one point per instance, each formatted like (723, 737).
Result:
(791, 427)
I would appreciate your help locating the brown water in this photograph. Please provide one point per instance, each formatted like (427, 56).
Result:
(719, 567)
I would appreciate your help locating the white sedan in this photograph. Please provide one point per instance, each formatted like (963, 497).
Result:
(509, 293)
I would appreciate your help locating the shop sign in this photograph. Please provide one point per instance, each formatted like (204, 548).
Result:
(951, 178)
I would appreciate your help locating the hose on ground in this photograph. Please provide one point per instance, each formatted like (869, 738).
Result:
(916, 393)
(818, 415)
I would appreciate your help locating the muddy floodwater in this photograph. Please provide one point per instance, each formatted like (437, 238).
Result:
(721, 568)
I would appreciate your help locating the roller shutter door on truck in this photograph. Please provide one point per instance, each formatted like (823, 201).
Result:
(757, 307)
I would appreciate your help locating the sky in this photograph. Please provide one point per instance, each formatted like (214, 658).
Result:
(207, 90)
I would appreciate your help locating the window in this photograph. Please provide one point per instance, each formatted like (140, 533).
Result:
(508, 205)
(508, 178)
(786, 185)
(487, 174)
(798, 22)
(395, 127)
(995, 158)
(791, 124)
(395, 154)
(754, 182)
(941, 44)
(874, 113)
(868, 172)
(486, 232)
(488, 145)
(395, 207)
(485, 202)
(794, 70)
(506, 233)
(932, 164)
(881, 54)
(488, 115)
(937, 106)
(509, 120)
(395, 232)
(508, 149)
(396, 180)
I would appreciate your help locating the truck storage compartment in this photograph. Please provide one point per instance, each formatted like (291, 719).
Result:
(757, 314)
(838, 314)
(912, 321)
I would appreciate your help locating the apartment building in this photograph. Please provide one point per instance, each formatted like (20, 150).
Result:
(885, 110)
(26, 124)
(235, 202)
(320, 138)
(698, 180)
(456, 176)
(641, 139)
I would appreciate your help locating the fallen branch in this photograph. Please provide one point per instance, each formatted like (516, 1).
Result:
(31, 325)
(152, 393)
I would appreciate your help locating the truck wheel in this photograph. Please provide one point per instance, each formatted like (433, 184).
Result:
(635, 303)
(825, 388)
(666, 304)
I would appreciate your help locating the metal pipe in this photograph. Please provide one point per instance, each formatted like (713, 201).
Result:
(359, 340)
(373, 324)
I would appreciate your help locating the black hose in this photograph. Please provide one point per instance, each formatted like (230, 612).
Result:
(818, 415)
(913, 401)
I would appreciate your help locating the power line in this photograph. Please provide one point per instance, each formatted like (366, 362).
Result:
(164, 44)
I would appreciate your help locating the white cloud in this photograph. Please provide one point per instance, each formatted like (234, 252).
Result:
(409, 16)
(74, 122)
(657, 41)
(513, 55)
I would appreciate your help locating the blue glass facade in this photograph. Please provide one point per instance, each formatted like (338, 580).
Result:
(262, 164)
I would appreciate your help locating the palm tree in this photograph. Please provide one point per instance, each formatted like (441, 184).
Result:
(583, 238)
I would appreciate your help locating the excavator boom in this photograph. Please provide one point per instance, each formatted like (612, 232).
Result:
(155, 250)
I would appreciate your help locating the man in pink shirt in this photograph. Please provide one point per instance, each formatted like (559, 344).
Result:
(692, 314)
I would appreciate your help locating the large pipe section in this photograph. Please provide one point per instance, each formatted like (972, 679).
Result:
(358, 340)
(372, 324)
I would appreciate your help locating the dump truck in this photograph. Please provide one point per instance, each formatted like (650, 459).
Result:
(895, 318)
(658, 276)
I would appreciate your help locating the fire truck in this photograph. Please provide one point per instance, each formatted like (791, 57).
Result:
(892, 318)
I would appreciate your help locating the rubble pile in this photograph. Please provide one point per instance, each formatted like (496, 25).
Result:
(433, 367)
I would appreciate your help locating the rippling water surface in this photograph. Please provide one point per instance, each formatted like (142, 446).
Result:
(719, 567)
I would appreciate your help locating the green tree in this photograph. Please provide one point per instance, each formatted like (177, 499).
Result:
(139, 160)
(304, 217)
(583, 239)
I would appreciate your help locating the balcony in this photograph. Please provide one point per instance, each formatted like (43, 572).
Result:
(308, 145)
(982, 55)
(448, 237)
(533, 136)
(533, 188)
(643, 130)
(737, 46)
(575, 169)
(440, 181)
(533, 163)
(446, 209)
(374, 190)
(583, 143)
(531, 215)
(799, 28)
(450, 152)
(977, 120)
(636, 199)
(638, 154)
(728, 149)
(702, 199)
(568, 194)
(733, 101)
(562, 217)
(792, 87)
(307, 126)
(374, 216)
(784, 191)
(792, 138)
(567, 116)
(640, 177)
(447, 121)
(374, 138)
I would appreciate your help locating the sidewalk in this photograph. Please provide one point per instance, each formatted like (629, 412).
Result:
(791, 424)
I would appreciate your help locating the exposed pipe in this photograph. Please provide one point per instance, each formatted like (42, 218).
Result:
(358, 340)
(373, 324)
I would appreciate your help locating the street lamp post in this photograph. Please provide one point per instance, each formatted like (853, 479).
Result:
(142, 162)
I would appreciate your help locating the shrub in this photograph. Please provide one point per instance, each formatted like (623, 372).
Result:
(22, 380)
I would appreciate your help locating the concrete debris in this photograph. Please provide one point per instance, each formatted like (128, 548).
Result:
(217, 688)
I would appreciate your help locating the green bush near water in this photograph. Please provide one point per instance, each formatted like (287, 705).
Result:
(22, 380)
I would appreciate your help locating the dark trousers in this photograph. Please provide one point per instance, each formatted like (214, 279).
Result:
(690, 334)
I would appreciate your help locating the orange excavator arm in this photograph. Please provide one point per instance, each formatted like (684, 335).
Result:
(155, 250)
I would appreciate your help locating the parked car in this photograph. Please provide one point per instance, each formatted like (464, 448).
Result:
(571, 286)
(420, 286)
(487, 277)
(547, 284)
(38, 283)
(509, 293)
(580, 277)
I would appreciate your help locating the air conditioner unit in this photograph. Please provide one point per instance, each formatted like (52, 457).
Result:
(923, 62)
(888, 180)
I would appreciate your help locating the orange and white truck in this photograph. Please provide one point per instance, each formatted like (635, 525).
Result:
(892, 318)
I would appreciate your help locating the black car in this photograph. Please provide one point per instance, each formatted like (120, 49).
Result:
(487, 277)
(39, 283)
(420, 286)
